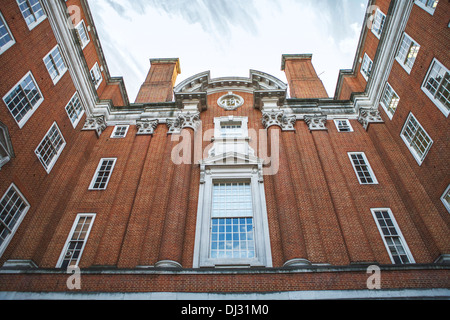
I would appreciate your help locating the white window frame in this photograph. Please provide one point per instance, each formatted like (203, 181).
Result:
(427, 8)
(399, 234)
(219, 121)
(394, 99)
(48, 168)
(367, 164)
(416, 156)
(96, 75)
(11, 42)
(232, 223)
(366, 67)
(114, 134)
(70, 104)
(19, 219)
(402, 57)
(60, 72)
(97, 171)
(71, 233)
(446, 204)
(445, 110)
(6, 149)
(339, 126)
(235, 143)
(34, 107)
(83, 42)
(33, 24)
(378, 23)
(233, 173)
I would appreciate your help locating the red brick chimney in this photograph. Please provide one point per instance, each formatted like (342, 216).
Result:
(160, 81)
(302, 77)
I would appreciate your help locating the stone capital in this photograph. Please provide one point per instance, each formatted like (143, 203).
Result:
(146, 126)
(182, 121)
(279, 118)
(95, 123)
(316, 122)
(368, 116)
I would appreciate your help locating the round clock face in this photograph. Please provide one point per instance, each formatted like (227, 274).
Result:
(230, 101)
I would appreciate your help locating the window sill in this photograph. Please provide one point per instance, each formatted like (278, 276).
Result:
(33, 25)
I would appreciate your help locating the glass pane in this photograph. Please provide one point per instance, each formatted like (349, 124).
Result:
(235, 239)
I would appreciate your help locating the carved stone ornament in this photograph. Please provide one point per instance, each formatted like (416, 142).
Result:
(146, 126)
(183, 120)
(230, 101)
(316, 122)
(278, 118)
(95, 123)
(368, 116)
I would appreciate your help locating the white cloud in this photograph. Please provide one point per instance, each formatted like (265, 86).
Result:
(227, 37)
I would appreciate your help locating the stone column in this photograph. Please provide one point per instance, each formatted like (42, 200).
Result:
(171, 247)
(292, 238)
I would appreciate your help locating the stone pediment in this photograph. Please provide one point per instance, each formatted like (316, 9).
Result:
(231, 158)
(231, 163)
(257, 81)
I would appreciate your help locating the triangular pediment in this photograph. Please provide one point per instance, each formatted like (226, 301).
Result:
(231, 158)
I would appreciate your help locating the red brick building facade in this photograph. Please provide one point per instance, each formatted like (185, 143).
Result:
(227, 187)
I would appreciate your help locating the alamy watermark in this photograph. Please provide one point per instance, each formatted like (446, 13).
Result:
(192, 147)
(374, 280)
(74, 280)
(372, 11)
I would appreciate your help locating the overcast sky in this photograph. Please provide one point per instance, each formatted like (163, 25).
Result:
(227, 37)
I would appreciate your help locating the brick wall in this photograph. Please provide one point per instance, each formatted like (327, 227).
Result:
(226, 282)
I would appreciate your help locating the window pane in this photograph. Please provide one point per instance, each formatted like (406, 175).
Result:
(232, 200)
(32, 10)
(103, 174)
(23, 98)
(443, 94)
(5, 36)
(26, 11)
(392, 237)
(408, 51)
(362, 169)
(74, 108)
(50, 147)
(235, 239)
(232, 223)
(12, 206)
(390, 99)
(419, 142)
(378, 23)
(77, 241)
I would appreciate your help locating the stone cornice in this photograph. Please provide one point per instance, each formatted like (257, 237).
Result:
(303, 56)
